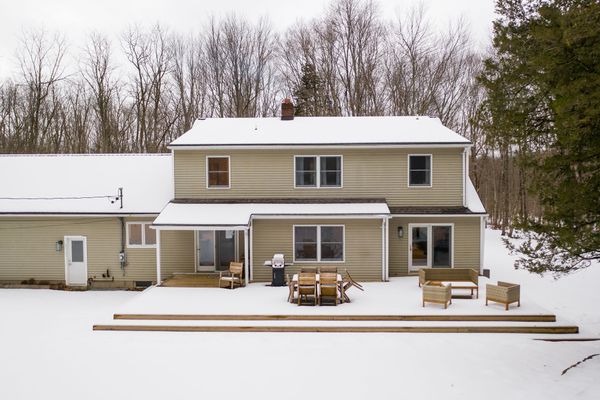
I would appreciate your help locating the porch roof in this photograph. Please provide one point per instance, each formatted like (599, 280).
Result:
(236, 216)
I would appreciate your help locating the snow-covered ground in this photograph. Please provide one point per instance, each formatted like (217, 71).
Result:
(48, 350)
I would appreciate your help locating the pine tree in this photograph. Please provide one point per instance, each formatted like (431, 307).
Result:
(308, 95)
(544, 92)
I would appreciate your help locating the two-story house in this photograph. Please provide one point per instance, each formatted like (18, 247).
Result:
(377, 196)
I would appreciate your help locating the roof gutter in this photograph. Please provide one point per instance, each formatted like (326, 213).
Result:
(319, 146)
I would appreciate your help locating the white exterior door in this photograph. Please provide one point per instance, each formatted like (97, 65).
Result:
(430, 245)
(76, 260)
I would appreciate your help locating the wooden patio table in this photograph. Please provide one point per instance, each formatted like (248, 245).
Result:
(339, 280)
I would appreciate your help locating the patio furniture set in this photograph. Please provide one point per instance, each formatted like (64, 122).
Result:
(315, 285)
(438, 284)
(320, 284)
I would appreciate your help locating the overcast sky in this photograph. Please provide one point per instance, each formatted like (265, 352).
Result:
(77, 18)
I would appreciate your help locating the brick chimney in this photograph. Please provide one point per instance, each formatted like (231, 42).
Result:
(287, 110)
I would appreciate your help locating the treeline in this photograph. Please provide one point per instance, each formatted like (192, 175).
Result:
(140, 92)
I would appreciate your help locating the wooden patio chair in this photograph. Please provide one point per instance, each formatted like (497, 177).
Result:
(328, 269)
(328, 287)
(347, 284)
(293, 288)
(233, 276)
(307, 286)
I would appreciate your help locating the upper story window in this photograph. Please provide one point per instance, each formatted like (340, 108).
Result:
(139, 234)
(318, 171)
(419, 170)
(217, 172)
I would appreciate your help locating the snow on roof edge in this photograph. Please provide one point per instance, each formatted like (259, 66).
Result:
(472, 197)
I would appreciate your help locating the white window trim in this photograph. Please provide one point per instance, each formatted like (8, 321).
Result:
(430, 243)
(318, 260)
(138, 246)
(229, 172)
(318, 171)
(430, 171)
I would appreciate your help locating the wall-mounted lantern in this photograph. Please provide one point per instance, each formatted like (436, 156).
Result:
(400, 231)
(59, 245)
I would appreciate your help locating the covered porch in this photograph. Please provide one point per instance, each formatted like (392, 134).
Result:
(196, 240)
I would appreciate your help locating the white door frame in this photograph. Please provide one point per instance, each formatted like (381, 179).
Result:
(67, 251)
(429, 227)
(213, 268)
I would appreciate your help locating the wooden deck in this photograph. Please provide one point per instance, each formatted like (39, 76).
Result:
(344, 329)
(202, 280)
(272, 317)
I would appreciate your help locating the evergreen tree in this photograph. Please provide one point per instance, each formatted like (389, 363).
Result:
(543, 88)
(308, 95)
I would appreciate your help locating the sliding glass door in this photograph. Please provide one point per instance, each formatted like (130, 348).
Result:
(215, 250)
(430, 245)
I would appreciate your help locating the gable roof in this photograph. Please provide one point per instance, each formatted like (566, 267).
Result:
(85, 184)
(319, 131)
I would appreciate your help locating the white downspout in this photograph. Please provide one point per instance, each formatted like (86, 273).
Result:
(481, 242)
(465, 172)
(158, 277)
(246, 260)
(383, 249)
(251, 249)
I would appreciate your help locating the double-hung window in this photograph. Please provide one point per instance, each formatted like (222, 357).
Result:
(318, 171)
(419, 170)
(139, 234)
(217, 172)
(319, 243)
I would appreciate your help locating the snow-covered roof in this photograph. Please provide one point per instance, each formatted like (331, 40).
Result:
(237, 215)
(85, 184)
(474, 203)
(319, 131)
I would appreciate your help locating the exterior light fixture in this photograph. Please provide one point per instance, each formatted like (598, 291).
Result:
(400, 231)
(59, 245)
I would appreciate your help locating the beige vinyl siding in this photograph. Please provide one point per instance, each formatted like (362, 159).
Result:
(141, 261)
(362, 246)
(176, 252)
(466, 241)
(27, 249)
(380, 173)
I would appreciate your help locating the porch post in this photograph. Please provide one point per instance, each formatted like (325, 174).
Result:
(246, 261)
(158, 277)
(251, 249)
(383, 249)
(387, 249)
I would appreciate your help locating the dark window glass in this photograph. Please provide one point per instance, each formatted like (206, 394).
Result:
(441, 246)
(218, 172)
(149, 235)
(135, 234)
(77, 251)
(332, 243)
(306, 171)
(305, 243)
(331, 171)
(420, 171)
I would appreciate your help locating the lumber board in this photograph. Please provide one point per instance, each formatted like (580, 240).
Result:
(272, 317)
(343, 329)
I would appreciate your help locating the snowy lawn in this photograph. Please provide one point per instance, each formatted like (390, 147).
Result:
(48, 350)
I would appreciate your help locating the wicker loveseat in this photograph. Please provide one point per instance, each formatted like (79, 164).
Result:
(469, 276)
(504, 292)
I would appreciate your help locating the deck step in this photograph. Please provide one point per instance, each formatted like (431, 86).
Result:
(270, 317)
(344, 329)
